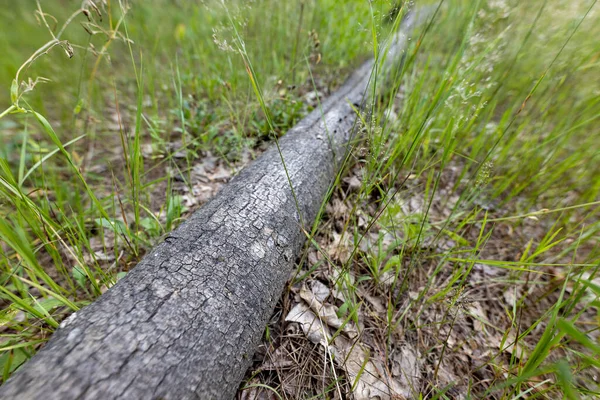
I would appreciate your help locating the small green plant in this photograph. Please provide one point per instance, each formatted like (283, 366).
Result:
(284, 113)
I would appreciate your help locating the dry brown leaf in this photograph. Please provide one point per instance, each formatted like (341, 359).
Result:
(353, 182)
(366, 375)
(313, 257)
(339, 248)
(480, 320)
(316, 331)
(387, 278)
(220, 174)
(327, 313)
(445, 376)
(412, 205)
(344, 281)
(510, 297)
(337, 208)
(320, 291)
(377, 303)
(406, 368)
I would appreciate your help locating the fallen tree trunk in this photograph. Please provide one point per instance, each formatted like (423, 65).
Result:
(186, 321)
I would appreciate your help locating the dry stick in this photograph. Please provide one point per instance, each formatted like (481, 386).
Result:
(186, 321)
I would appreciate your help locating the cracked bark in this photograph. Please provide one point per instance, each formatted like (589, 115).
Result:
(186, 321)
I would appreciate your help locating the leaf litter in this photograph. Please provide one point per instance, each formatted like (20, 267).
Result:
(415, 331)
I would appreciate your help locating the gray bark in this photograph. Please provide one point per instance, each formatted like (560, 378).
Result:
(186, 321)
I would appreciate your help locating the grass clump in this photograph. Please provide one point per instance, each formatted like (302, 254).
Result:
(120, 118)
(462, 239)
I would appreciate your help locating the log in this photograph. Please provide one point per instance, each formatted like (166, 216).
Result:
(185, 322)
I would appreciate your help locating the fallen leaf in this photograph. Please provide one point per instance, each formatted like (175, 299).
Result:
(353, 182)
(367, 376)
(220, 174)
(320, 291)
(327, 313)
(406, 368)
(376, 302)
(339, 248)
(313, 328)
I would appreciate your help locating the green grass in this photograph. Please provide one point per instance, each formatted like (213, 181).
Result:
(490, 164)
(82, 102)
(496, 130)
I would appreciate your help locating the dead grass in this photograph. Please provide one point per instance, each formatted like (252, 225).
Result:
(420, 334)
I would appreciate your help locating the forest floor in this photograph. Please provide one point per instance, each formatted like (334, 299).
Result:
(458, 255)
